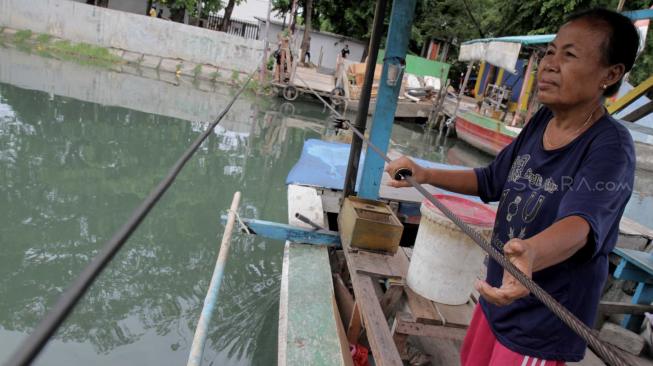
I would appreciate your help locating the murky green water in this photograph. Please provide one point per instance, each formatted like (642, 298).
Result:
(72, 169)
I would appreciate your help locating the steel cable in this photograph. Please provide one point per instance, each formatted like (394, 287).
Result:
(35, 342)
(606, 352)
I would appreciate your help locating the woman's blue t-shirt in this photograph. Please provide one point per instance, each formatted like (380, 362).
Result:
(591, 177)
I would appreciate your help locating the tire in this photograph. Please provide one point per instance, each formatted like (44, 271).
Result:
(290, 93)
(287, 109)
(337, 95)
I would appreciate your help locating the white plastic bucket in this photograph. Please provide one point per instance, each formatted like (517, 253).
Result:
(445, 261)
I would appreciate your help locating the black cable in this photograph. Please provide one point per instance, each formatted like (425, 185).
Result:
(32, 346)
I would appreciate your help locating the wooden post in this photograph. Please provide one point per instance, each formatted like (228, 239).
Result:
(266, 46)
(461, 92)
(524, 87)
(620, 7)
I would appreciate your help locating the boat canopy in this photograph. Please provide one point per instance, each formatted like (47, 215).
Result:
(502, 51)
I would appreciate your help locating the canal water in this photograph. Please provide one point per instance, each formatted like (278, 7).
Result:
(80, 148)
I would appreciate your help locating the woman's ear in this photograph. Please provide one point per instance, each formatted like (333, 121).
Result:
(615, 73)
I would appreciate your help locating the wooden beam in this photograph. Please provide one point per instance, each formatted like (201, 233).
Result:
(295, 234)
(609, 307)
(391, 298)
(355, 327)
(378, 334)
(403, 325)
(344, 299)
(422, 309)
(631, 96)
(639, 112)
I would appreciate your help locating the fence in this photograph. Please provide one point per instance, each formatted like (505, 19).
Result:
(236, 27)
(132, 32)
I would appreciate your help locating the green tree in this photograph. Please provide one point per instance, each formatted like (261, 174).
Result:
(227, 13)
(308, 12)
(178, 8)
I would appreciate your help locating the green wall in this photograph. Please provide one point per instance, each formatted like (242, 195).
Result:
(422, 67)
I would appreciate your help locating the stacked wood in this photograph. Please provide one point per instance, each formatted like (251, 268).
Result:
(624, 339)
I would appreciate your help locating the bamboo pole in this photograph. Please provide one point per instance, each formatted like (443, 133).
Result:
(197, 348)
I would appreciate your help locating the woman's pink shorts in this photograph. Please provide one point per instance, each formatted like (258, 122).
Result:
(481, 348)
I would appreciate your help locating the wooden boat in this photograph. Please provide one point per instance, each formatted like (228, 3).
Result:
(484, 133)
(358, 296)
(505, 102)
(333, 298)
(487, 132)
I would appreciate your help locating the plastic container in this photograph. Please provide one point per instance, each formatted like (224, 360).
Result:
(445, 261)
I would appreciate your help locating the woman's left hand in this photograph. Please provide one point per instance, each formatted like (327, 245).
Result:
(522, 255)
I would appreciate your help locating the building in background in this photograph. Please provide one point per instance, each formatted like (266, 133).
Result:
(130, 6)
(325, 46)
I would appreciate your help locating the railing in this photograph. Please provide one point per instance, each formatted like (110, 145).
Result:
(236, 27)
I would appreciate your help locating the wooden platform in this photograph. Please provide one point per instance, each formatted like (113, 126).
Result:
(317, 81)
(373, 307)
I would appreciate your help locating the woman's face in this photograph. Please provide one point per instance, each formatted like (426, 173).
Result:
(572, 70)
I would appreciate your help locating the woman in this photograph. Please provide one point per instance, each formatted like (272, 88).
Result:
(562, 184)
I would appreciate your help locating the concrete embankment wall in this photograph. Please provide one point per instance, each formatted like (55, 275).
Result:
(132, 32)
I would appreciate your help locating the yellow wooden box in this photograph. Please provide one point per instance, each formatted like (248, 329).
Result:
(369, 224)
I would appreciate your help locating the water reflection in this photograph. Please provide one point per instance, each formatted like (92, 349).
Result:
(73, 171)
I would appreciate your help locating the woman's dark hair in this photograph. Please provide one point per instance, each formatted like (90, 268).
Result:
(622, 42)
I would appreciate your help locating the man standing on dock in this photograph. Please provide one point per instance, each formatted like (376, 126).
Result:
(345, 51)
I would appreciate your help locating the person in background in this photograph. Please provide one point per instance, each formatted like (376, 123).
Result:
(562, 187)
(152, 11)
(345, 51)
(308, 51)
(160, 14)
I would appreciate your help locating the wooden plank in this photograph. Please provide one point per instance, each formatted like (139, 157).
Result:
(391, 298)
(344, 299)
(308, 323)
(355, 327)
(642, 260)
(626, 340)
(631, 96)
(639, 112)
(630, 227)
(631, 272)
(378, 334)
(610, 307)
(373, 264)
(344, 343)
(376, 326)
(405, 326)
(422, 309)
(295, 234)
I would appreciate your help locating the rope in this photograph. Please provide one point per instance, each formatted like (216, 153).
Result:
(32, 346)
(242, 225)
(606, 352)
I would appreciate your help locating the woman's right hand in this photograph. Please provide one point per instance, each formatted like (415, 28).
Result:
(419, 173)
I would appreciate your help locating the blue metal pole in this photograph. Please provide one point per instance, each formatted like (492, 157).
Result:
(401, 22)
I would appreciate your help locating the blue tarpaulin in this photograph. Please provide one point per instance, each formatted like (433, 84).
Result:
(324, 164)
